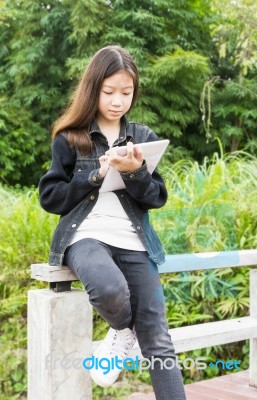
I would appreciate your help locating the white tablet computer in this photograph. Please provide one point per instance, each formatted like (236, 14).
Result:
(152, 151)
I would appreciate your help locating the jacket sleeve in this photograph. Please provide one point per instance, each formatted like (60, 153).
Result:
(147, 189)
(60, 189)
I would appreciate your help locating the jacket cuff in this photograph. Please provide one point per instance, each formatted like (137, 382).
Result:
(136, 175)
(94, 179)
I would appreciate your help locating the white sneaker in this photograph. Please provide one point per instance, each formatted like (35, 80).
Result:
(113, 350)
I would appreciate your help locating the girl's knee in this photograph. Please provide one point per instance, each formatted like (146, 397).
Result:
(111, 296)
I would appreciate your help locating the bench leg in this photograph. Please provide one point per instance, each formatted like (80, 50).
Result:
(59, 338)
(253, 313)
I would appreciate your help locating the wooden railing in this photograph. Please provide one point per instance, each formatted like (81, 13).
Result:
(60, 326)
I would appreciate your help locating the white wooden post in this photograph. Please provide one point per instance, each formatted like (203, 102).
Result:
(253, 341)
(59, 338)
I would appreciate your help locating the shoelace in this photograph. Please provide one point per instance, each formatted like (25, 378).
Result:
(120, 343)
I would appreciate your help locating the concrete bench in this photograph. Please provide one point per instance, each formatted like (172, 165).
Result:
(60, 326)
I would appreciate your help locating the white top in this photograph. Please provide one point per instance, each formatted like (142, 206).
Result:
(109, 223)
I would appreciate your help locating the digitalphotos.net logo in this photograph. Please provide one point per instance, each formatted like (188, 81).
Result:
(136, 364)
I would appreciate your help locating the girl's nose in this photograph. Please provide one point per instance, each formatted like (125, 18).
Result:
(116, 100)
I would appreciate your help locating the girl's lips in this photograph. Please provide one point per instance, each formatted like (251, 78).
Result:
(115, 112)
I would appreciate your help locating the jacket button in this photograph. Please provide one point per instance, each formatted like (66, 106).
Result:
(73, 225)
(94, 178)
(138, 227)
(132, 175)
(92, 197)
(79, 170)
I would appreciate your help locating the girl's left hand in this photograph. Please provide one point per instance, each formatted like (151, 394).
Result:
(128, 163)
(104, 165)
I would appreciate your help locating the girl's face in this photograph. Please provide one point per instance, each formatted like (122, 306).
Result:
(115, 98)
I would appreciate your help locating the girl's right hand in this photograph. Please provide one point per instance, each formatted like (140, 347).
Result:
(104, 165)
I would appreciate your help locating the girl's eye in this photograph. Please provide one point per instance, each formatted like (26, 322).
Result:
(107, 92)
(126, 94)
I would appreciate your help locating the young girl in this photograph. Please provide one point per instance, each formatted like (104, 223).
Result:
(106, 238)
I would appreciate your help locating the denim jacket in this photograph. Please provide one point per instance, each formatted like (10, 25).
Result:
(70, 188)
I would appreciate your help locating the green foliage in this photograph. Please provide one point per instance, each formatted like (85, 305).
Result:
(25, 233)
(176, 80)
(45, 46)
(218, 187)
(211, 207)
(233, 92)
(178, 45)
(234, 111)
(235, 33)
(35, 44)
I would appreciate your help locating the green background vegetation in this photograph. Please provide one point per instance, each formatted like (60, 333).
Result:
(197, 62)
(182, 47)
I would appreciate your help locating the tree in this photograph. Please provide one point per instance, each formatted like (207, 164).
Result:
(34, 38)
(163, 37)
(45, 46)
(234, 94)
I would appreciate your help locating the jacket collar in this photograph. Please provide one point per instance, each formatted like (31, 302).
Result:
(125, 132)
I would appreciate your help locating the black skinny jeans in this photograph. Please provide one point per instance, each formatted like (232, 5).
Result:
(124, 287)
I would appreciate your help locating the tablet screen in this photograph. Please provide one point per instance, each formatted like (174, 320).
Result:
(152, 152)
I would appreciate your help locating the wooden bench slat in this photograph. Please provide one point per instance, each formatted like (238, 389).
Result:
(174, 263)
(213, 333)
(209, 260)
(52, 273)
(192, 337)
